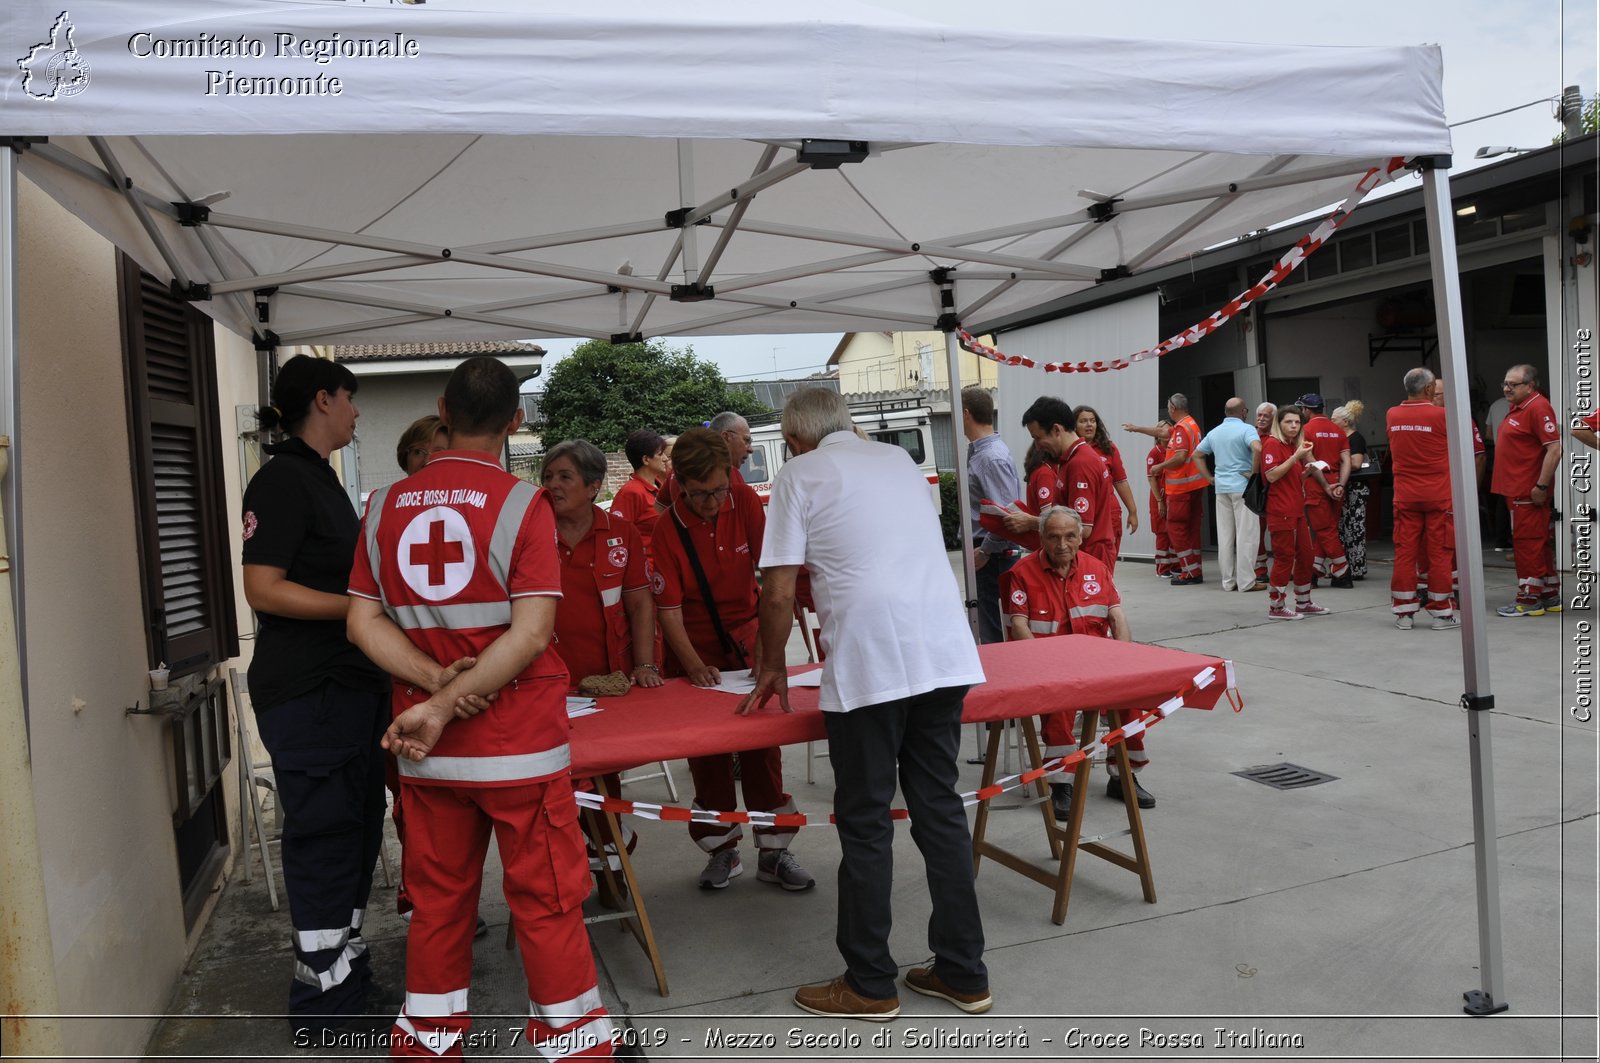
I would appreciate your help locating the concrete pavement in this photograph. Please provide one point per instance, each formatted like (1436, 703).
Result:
(1337, 920)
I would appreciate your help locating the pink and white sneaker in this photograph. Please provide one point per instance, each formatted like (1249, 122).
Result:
(1312, 610)
(1281, 614)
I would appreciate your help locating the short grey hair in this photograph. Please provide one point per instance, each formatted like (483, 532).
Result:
(725, 421)
(812, 413)
(1050, 512)
(1529, 373)
(1179, 401)
(1418, 381)
(585, 457)
(1271, 407)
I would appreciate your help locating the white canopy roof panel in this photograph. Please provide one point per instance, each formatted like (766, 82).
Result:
(494, 170)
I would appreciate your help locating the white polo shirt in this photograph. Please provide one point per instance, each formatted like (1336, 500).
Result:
(860, 516)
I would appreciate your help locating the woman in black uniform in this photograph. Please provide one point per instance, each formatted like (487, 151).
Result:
(321, 705)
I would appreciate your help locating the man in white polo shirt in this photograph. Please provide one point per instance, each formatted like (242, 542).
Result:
(900, 657)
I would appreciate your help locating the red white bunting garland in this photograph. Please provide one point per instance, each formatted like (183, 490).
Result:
(1102, 744)
(1286, 265)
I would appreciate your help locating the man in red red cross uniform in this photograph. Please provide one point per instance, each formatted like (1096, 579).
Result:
(1083, 482)
(1527, 452)
(1330, 446)
(1064, 590)
(1420, 461)
(459, 562)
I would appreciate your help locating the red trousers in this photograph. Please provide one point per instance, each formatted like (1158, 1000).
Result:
(1060, 733)
(1291, 559)
(1533, 547)
(761, 776)
(1422, 540)
(1166, 561)
(1183, 529)
(535, 827)
(1261, 554)
(1322, 513)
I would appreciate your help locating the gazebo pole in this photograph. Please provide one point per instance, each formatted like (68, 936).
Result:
(1478, 699)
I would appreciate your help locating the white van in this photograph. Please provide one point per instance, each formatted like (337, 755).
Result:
(905, 425)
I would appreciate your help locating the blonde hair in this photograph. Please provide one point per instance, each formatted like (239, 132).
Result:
(1350, 411)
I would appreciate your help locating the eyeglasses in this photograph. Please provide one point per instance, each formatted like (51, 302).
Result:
(702, 497)
(1511, 385)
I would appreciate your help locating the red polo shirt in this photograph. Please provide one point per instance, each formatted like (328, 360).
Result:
(1419, 453)
(728, 548)
(1156, 456)
(1078, 603)
(1528, 428)
(635, 501)
(1086, 488)
(594, 573)
(1044, 488)
(1328, 442)
(1286, 496)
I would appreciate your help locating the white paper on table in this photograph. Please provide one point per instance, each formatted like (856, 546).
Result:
(581, 707)
(742, 681)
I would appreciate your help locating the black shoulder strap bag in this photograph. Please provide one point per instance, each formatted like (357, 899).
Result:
(729, 645)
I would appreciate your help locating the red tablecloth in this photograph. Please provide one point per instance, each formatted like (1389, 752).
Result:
(1031, 676)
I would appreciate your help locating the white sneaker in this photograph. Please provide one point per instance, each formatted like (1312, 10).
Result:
(1403, 622)
(1445, 623)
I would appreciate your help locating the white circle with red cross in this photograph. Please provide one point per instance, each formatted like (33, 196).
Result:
(436, 556)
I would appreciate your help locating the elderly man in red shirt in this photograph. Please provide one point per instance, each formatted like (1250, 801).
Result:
(1528, 449)
(1064, 590)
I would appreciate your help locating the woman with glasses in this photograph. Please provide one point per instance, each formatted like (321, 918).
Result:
(421, 440)
(706, 547)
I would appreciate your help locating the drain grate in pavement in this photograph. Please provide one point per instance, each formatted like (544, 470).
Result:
(1285, 776)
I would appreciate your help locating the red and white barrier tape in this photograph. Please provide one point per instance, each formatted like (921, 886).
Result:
(1286, 265)
(1102, 744)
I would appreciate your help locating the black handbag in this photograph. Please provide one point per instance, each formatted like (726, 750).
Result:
(1255, 494)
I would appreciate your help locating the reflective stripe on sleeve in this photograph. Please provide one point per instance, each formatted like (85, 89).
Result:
(1078, 612)
(1042, 627)
(489, 769)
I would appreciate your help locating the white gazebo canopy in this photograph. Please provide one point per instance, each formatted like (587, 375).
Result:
(482, 170)
(319, 171)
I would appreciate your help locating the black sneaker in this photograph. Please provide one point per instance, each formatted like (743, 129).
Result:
(1114, 791)
(1344, 583)
(1061, 799)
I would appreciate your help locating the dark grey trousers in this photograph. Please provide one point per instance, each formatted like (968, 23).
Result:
(918, 739)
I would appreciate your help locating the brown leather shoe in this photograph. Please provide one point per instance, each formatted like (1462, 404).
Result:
(923, 980)
(836, 1000)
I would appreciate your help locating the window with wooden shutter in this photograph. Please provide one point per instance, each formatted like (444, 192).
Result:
(181, 506)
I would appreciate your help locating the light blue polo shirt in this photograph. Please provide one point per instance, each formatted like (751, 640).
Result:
(1228, 444)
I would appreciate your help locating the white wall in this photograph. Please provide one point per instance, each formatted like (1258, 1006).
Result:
(1131, 394)
(101, 779)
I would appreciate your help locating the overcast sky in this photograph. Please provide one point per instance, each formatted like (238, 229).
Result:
(1498, 54)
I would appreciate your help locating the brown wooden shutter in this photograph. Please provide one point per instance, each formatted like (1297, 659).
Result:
(177, 462)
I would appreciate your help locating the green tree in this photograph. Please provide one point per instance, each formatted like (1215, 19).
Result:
(603, 391)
